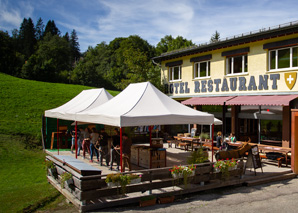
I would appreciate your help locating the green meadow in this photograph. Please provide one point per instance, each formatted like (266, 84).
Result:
(23, 183)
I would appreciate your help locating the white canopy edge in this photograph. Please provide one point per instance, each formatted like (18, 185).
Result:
(142, 104)
(86, 100)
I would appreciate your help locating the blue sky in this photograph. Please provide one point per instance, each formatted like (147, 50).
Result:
(103, 20)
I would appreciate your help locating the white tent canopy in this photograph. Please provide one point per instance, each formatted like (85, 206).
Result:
(86, 100)
(142, 104)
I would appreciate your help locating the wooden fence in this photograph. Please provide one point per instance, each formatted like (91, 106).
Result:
(91, 192)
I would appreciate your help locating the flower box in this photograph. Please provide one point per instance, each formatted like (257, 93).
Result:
(216, 170)
(144, 203)
(169, 199)
(111, 184)
(135, 181)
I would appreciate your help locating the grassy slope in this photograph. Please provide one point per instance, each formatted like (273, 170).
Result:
(22, 175)
(24, 101)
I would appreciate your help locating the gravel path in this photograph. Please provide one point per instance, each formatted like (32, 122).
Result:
(275, 197)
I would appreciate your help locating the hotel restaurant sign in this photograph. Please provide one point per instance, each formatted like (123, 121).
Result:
(232, 84)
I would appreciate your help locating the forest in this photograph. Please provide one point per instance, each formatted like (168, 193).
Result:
(39, 52)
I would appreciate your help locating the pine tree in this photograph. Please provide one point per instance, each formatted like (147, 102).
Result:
(51, 28)
(27, 37)
(74, 46)
(215, 37)
(39, 29)
(66, 36)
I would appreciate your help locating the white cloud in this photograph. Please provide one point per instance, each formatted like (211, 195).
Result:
(12, 16)
(103, 20)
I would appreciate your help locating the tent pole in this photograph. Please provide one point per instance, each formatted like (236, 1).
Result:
(212, 141)
(58, 135)
(150, 135)
(121, 149)
(76, 139)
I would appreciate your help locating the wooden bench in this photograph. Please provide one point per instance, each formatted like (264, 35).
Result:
(279, 160)
(185, 145)
(210, 146)
(171, 142)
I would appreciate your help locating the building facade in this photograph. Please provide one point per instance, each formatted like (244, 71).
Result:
(252, 76)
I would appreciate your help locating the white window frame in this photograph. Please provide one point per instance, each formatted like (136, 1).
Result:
(276, 59)
(197, 64)
(232, 65)
(171, 73)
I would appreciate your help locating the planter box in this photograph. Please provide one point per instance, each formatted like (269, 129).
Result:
(144, 203)
(162, 200)
(180, 175)
(135, 181)
(111, 184)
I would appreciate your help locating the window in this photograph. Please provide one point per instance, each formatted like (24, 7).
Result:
(175, 73)
(236, 64)
(202, 69)
(283, 58)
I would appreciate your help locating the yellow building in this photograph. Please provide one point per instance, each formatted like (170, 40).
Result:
(252, 75)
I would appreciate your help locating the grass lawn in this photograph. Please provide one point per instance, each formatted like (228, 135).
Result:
(23, 178)
(24, 101)
(23, 183)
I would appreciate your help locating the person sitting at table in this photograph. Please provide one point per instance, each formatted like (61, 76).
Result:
(232, 138)
(218, 139)
(225, 145)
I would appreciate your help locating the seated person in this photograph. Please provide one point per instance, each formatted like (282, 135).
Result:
(232, 138)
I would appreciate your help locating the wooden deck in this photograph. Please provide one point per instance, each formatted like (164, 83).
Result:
(90, 192)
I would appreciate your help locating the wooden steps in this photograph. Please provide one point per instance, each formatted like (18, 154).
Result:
(284, 176)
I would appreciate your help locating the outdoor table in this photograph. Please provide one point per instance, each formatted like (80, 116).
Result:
(192, 141)
(271, 142)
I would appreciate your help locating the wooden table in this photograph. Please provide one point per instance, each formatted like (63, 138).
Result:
(192, 141)
(271, 142)
(267, 148)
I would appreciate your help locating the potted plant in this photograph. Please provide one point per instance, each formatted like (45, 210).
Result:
(134, 178)
(183, 172)
(66, 178)
(204, 136)
(232, 164)
(113, 179)
(224, 166)
(148, 201)
(117, 179)
(199, 156)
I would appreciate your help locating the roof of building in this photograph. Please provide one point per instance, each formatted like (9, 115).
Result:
(262, 34)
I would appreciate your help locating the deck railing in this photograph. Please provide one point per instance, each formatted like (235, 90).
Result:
(91, 192)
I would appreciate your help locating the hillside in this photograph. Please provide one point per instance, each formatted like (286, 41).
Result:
(24, 101)
(23, 183)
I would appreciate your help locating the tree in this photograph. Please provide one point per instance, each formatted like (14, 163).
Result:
(168, 43)
(66, 37)
(39, 29)
(6, 53)
(51, 28)
(27, 38)
(215, 37)
(92, 69)
(74, 47)
(50, 62)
